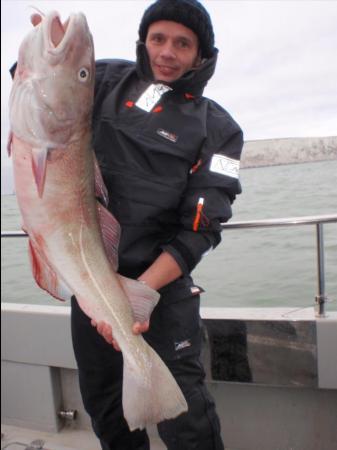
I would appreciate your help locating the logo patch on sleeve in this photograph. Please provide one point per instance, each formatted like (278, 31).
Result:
(225, 166)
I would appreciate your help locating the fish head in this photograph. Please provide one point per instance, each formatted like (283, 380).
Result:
(52, 93)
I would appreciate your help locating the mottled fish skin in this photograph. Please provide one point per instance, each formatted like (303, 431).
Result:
(73, 239)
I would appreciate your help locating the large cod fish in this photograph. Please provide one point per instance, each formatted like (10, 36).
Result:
(73, 239)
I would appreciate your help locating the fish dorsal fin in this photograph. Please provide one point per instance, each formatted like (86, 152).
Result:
(39, 166)
(45, 276)
(111, 232)
(142, 298)
(101, 191)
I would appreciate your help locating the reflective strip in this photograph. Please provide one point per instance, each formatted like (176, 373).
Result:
(225, 166)
(151, 96)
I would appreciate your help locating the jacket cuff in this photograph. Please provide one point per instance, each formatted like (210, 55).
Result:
(189, 247)
(178, 258)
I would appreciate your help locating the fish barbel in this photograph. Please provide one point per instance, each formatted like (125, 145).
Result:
(73, 239)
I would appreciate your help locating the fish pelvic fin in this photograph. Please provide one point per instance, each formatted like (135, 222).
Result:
(152, 399)
(142, 298)
(39, 166)
(45, 276)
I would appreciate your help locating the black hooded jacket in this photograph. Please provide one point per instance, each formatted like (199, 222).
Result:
(159, 163)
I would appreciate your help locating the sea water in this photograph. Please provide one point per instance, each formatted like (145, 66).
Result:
(270, 267)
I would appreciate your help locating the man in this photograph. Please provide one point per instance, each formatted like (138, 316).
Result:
(169, 158)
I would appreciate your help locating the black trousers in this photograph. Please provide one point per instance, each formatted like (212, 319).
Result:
(175, 333)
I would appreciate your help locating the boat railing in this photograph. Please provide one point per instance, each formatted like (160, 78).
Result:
(317, 221)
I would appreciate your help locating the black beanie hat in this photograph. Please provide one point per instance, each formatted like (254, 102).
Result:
(189, 13)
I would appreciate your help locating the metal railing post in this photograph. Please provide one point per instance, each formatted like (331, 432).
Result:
(320, 297)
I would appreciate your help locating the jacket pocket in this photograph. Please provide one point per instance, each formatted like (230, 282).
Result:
(179, 290)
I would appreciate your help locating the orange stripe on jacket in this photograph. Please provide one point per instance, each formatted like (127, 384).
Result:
(197, 218)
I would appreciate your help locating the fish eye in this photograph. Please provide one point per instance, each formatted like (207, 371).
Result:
(83, 74)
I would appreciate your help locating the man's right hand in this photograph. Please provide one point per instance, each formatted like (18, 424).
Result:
(105, 331)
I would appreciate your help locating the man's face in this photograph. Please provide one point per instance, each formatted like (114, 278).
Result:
(173, 50)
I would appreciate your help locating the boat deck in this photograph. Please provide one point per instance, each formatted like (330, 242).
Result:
(17, 438)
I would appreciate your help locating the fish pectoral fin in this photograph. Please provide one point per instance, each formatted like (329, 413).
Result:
(45, 276)
(142, 298)
(101, 191)
(39, 166)
(111, 232)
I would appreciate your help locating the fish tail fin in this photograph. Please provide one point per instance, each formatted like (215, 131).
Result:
(153, 398)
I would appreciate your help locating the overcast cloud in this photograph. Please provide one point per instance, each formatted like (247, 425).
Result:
(277, 66)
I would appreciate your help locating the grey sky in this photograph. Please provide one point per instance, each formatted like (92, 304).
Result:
(277, 66)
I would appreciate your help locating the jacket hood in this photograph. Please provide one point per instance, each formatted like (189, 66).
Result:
(192, 82)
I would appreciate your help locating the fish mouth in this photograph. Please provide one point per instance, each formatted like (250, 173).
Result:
(58, 35)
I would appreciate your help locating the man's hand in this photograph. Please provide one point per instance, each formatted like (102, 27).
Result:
(106, 332)
(164, 270)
